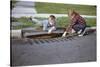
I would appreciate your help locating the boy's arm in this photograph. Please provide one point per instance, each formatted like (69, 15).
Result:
(53, 24)
(69, 28)
(72, 22)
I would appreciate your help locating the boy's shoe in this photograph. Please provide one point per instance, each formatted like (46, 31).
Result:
(80, 35)
(79, 32)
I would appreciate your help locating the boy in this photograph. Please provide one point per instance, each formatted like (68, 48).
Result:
(50, 24)
(77, 24)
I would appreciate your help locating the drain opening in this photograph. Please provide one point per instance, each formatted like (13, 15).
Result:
(45, 36)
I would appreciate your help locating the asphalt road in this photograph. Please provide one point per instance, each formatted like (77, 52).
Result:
(76, 49)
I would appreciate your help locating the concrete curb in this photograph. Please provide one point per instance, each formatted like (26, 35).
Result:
(19, 33)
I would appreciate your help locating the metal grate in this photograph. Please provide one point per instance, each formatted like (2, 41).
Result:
(52, 40)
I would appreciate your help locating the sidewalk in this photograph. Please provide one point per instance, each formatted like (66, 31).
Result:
(60, 15)
(27, 9)
(23, 8)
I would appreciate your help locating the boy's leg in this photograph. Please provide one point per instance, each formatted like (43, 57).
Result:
(82, 30)
(79, 28)
(76, 28)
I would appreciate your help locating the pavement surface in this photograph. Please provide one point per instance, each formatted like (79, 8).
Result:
(53, 51)
(49, 51)
(23, 8)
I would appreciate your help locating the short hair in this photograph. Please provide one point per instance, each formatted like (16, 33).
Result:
(52, 16)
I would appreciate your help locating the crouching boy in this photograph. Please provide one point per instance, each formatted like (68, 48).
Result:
(77, 24)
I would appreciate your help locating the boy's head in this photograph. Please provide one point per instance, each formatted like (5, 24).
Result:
(72, 13)
(52, 17)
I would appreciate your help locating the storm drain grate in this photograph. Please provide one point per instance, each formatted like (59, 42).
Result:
(52, 40)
